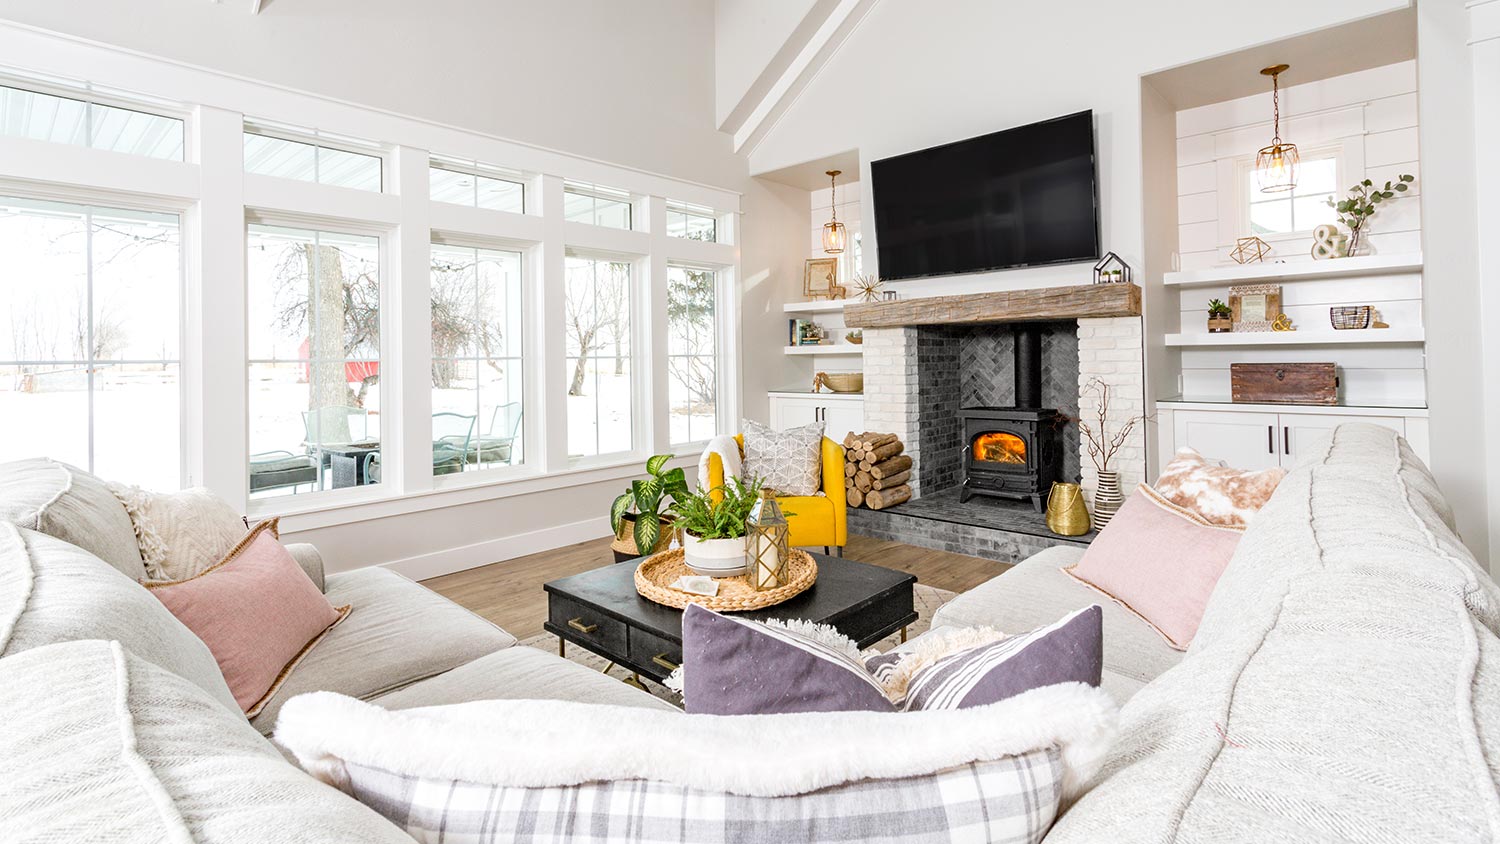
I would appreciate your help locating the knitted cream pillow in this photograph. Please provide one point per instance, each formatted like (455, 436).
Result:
(180, 533)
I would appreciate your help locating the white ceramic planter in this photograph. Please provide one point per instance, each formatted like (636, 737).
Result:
(714, 557)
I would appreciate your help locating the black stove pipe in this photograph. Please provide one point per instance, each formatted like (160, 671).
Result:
(1028, 365)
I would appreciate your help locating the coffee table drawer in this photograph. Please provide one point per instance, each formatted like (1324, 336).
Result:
(585, 624)
(654, 653)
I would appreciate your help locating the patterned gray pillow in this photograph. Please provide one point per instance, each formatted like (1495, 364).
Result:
(790, 462)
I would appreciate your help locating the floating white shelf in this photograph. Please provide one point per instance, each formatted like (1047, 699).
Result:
(1299, 271)
(1298, 338)
(815, 307)
(837, 349)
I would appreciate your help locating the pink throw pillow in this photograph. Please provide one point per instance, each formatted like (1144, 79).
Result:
(257, 611)
(1218, 493)
(1160, 562)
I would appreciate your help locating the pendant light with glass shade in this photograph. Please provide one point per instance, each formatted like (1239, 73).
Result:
(1276, 164)
(834, 235)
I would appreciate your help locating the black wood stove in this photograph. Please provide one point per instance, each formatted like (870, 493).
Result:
(1014, 452)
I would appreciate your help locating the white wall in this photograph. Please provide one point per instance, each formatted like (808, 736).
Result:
(1485, 55)
(1370, 119)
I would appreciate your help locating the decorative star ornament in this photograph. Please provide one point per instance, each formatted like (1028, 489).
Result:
(868, 287)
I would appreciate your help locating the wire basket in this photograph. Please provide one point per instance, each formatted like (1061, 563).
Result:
(1345, 317)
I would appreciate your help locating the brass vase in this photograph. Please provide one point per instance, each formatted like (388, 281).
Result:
(1067, 515)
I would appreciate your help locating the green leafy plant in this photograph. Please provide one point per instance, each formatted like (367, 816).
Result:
(1218, 310)
(652, 499)
(699, 515)
(1361, 203)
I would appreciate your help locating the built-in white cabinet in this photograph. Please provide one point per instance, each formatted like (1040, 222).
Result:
(840, 412)
(1262, 436)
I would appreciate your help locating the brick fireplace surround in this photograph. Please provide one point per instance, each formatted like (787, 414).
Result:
(919, 367)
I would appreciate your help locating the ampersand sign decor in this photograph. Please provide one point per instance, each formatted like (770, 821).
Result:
(1328, 242)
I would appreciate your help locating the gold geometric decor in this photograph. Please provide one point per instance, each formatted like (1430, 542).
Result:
(1250, 250)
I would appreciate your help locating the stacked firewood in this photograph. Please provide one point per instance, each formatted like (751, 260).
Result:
(876, 473)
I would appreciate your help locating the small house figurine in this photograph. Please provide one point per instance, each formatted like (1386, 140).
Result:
(1111, 269)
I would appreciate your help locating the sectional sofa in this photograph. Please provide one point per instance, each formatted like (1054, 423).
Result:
(1344, 684)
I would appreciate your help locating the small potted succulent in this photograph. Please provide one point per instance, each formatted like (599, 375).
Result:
(1220, 316)
(642, 517)
(713, 531)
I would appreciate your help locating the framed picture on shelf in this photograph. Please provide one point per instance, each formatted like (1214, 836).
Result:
(820, 278)
(1255, 307)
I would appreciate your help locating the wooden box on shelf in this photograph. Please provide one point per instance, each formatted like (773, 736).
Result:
(1284, 383)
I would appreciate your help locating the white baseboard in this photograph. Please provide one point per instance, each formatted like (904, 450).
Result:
(450, 560)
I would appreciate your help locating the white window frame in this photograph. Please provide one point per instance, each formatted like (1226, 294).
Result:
(391, 480)
(479, 170)
(608, 194)
(186, 367)
(91, 94)
(639, 355)
(533, 458)
(1244, 167)
(721, 338)
(688, 210)
(320, 141)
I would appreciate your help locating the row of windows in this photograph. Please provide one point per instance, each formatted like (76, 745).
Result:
(89, 360)
(288, 154)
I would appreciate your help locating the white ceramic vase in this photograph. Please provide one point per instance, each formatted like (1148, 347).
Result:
(714, 557)
(1107, 499)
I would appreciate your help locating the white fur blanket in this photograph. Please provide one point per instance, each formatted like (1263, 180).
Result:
(728, 451)
(541, 743)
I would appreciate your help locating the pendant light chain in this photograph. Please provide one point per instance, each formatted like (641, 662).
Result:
(833, 194)
(1276, 108)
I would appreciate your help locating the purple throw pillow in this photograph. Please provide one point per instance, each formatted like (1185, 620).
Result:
(738, 667)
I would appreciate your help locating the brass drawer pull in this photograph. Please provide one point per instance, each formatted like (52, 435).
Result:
(661, 659)
(577, 624)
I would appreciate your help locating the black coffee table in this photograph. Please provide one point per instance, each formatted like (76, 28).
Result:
(600, 611)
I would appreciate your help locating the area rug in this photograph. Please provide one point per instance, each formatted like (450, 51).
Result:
(926, 600)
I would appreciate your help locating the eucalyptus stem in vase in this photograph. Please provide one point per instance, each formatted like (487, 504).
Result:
(1361, 203)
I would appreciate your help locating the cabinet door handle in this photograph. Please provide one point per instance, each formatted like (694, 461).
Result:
(661, 659)
(577, 624)
(1286, 439)
(1270, 439)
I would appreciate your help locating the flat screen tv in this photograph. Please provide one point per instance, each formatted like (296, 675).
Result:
(1018, 198)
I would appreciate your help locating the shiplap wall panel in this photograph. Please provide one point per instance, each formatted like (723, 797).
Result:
(1372, 117)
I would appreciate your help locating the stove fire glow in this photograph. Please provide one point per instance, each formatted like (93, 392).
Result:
(999, 447)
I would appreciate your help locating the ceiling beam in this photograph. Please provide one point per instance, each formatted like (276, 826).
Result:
(255, 6)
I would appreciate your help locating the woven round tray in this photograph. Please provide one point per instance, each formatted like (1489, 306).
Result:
(655, 574)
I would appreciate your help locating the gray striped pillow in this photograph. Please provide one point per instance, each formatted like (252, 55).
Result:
(733, 666)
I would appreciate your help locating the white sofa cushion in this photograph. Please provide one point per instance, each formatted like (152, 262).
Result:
(1342, 686)
(51, 591)
(72, 505)
(507, 768)
(1037, 592)
(99, 745)
(399, 632)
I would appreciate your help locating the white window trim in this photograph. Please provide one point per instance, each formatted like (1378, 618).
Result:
(1243, 167)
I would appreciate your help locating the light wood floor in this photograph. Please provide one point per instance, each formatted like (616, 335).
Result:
(510, 593)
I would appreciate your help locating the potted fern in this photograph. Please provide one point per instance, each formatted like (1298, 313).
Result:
(642, 516)
(713, 532)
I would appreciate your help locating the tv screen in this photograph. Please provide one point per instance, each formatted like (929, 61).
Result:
(1017, 198)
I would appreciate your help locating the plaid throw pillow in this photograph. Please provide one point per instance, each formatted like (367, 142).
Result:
(790, 462)
(548, 770)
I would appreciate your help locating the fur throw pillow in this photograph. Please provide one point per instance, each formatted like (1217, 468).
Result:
(1219, 494)
(180, 533)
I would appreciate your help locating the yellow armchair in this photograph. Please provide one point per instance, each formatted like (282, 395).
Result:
(811, 519)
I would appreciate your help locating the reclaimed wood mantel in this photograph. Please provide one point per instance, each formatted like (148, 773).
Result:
(1032, 305)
